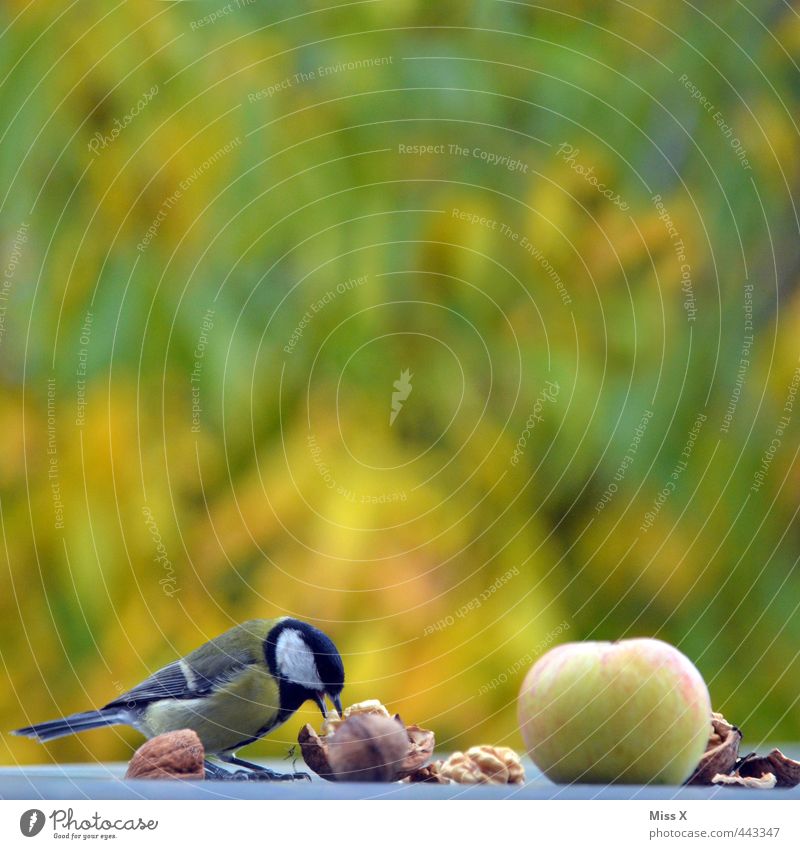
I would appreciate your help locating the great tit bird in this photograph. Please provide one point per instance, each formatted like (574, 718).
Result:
(231, 691)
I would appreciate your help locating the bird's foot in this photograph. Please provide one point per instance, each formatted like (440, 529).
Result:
(249, 771)
(264, 774)
(215, 772)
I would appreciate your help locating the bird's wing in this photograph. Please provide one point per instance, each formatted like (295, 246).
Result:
(171, 682)
(198, 673)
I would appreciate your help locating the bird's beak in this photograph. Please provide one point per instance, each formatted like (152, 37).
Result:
(337, 703)
(319, 698)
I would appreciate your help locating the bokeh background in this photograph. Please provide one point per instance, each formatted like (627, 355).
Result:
(220, 250)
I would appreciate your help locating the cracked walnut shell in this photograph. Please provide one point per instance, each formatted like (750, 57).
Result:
(722, 752)
(721, 763)
(366, 747)
(785, 771)
(364, 735)
(371, 707)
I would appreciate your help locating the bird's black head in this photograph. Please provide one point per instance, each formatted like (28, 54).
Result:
(306, 663)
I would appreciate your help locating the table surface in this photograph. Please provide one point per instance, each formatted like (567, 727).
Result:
(105, 781)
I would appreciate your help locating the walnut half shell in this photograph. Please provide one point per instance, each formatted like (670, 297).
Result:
(721, 763)
(722, 752)
(367, 748)
(785, 770)
(315, 747)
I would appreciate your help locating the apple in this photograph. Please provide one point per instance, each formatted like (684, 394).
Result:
(630, 712)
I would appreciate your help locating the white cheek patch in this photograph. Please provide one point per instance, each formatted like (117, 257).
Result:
(296, 661)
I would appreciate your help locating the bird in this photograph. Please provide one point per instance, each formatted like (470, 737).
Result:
(231, 691)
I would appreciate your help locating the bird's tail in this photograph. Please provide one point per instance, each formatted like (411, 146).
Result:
(44, 731)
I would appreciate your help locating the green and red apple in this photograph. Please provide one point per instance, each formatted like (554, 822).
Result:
(630, 712)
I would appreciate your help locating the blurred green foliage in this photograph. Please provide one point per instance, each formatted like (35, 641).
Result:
(288, 194)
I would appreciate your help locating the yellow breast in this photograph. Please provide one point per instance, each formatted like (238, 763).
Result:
(244, 708)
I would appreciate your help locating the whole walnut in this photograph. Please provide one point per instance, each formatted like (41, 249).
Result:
(367, 747)
(178, 754)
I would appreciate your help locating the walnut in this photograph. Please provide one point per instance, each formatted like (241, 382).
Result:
(785, 771)
(315, 752)
(178, 754)
(484, 765)
(765, 782)
(721, 753)
(430, 774)
(421, 745)
(366, 747)
(371, 706)
(316, 748)
(721, 763)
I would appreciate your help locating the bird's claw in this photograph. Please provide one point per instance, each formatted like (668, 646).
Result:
(249, 772)
(267, 775)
